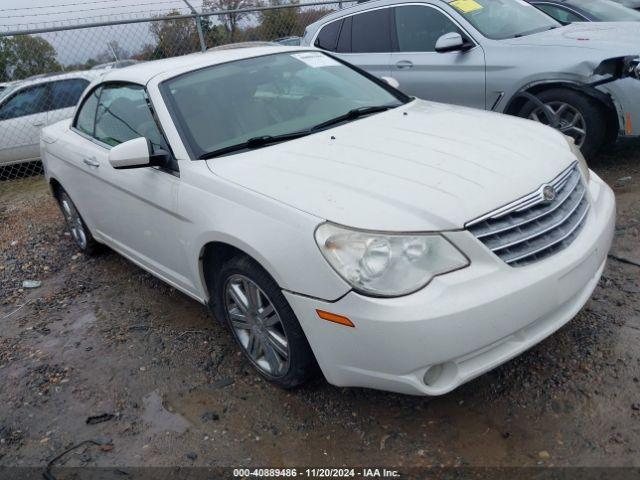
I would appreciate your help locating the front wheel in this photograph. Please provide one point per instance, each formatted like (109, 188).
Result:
(572, 113)
(263, 324)
(78, 229)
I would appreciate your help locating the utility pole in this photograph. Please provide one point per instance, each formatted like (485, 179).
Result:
(113, 52)
(203, 45)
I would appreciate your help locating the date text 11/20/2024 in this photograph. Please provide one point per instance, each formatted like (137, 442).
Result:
(316, 472)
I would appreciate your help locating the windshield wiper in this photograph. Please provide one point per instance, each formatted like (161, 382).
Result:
(537, 30)
(257, 142)
(254, 142)
(352, 115)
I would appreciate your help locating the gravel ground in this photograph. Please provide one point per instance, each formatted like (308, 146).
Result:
(102, 350)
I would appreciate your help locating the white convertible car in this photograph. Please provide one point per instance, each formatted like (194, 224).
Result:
(331, 220)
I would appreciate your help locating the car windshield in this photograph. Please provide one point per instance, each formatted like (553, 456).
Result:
(269, 96)
(606, 11)
(500, 19)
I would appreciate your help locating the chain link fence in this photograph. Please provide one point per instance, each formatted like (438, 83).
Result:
(43, 71)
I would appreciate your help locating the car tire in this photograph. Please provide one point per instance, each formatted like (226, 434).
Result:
(77, 227)
(579, 107)
(263, 323)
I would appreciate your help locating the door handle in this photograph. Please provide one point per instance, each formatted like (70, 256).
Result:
(402, 64)
(92, 162)
(38, 124)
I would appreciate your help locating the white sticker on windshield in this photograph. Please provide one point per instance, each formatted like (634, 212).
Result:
(315, 59)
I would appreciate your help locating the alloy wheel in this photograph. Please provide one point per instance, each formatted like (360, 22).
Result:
(564, 117)
(74, 222)
(257, 325)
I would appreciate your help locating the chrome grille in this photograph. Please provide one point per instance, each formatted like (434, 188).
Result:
(533, 228)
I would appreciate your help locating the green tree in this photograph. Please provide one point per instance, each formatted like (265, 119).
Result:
(280, 22)
(230, 21)
(174, 36)
(214, 35)
(23, 56)
(34, 55)
(7, 59)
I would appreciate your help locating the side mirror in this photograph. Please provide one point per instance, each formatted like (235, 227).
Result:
(137, 153)
(451, 42)
(131, 154)
(392, 82)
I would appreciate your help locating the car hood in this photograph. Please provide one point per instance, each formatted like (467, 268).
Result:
(612, 38)
(420, 167)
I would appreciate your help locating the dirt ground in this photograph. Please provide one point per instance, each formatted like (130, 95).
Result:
(102, 337)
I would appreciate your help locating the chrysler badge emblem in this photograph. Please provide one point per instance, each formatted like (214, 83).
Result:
(548, 193)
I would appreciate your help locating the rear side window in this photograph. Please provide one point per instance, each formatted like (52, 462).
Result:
(86, 119)
(66, 93)
(328, 36)
(28, 101)
(419, 28)
(370, 32)
(123, 114)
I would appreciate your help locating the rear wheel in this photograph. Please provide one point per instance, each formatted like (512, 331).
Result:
(573, 113)
(78, 229)
(263, 324)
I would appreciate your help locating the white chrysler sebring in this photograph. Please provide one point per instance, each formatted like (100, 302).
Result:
(331, 220)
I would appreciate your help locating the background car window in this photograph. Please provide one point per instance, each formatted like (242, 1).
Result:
(86, 119)
(28, 101)
(607, 11)
(124, 114)
(370, 32)
(559, 13)
(418, 28)
(328, 36)
(66, 93)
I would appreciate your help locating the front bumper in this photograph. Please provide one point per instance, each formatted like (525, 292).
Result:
(463, 323)
(625, 94)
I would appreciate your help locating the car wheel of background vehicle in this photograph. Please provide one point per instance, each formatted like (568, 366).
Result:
(577, 116)
(263, 323)
(78, 229)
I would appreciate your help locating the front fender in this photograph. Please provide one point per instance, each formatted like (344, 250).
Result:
(279, 237)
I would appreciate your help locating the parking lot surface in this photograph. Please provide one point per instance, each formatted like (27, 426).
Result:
(103, 350)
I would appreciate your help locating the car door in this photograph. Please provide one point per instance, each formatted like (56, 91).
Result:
(456, 77)
(136, 210)
(363, 39)
(80, 158)
(22, 115)
(64, 97)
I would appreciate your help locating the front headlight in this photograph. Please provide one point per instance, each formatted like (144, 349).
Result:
(582, 163)
(386, 264)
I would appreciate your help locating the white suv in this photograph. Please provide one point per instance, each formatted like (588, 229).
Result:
(27, 106)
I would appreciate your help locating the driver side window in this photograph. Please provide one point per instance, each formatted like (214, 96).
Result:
(116, 113)
(418, 28)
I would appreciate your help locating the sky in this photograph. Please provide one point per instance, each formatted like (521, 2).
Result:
(79, 45)
(35, 12)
